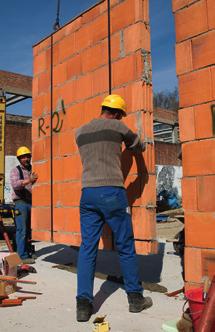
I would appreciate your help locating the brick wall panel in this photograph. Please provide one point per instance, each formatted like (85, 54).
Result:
(80, 82)
(195, 38)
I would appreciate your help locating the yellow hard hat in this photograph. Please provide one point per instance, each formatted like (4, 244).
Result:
(22, 150)
(115, 101)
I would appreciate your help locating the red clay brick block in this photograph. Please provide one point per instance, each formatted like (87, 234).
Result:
(41, 105)
(211, 14)
(203, 121)
(98, 29)
(94, 57)
(41, 195)
(100, 81)
(143, 224)
(74, 67)
(41, 46)
(60, 73)
(193, 264)
(199, 229)
(195, 87)
(199, 263)
(124, 70)
(44, 81)
(41, 235)
(73, 26)
(68, 92)
(72, 239)
(90, 15)
(206, 193)
(40, 63)
(67, 47)
(178, 4)
(191, 21)
(199, 158)
(40, 219)
(67, 194)
(203, 50)
(83, 39)
(186, 124)
(142, 10)
(120, 21)
(141, 40)
(66, 220)
(38, 151)
(213, 81)
(183, 57)
(189, 194)
(43, 171)
(67, 144)
(74, 116)
(146, 247)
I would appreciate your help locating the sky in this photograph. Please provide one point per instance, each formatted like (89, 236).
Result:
(25, 22)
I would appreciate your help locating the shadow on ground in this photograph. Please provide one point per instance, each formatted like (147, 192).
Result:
(108, 269)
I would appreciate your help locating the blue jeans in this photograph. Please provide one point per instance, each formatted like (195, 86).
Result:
(23, 228)
(99, 205)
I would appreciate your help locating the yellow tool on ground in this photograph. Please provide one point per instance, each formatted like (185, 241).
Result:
(101, 325)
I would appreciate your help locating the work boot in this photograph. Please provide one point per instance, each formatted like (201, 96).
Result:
(137, 302)
(84, 309)
(28, 260)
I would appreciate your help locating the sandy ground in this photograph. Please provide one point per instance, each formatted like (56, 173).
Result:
(55, 308)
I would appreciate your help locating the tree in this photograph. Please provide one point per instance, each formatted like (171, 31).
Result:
(167, 100)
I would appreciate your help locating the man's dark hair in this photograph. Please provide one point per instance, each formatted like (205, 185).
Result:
(109, 110)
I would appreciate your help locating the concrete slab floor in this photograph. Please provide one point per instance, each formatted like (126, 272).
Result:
(55, 309)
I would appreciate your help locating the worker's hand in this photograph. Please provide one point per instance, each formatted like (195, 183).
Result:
(33, 177)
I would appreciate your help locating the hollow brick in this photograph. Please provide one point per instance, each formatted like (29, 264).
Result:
(195, 87)
(189, 193)
(186, 124)
(199, 158)
(183, 57)
(203, 51)
(191, 21)
(199, 229)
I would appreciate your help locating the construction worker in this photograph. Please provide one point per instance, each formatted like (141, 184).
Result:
(22, 179)
(104, 199)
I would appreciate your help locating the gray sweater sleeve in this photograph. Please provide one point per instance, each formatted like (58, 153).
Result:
(132, 140)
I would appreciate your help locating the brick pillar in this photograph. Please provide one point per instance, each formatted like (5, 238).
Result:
(75, 86)
(195, 58)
